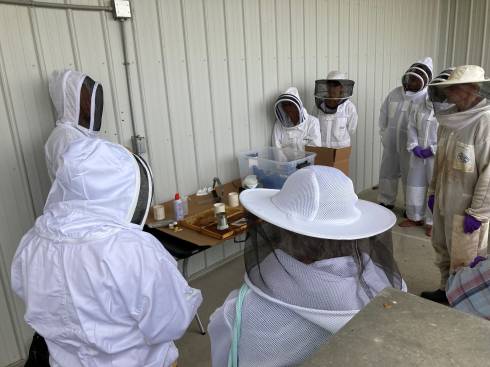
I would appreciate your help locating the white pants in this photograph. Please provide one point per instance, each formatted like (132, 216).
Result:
(419, 177)
(394, 165)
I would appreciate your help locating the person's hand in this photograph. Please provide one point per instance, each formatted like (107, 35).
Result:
(430, 203)
(476, 260)
(470, 224)
(417, 151)
(426, 153)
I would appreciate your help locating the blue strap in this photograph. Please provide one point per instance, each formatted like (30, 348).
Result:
(233, 355)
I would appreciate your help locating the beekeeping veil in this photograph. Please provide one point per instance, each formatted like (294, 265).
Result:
(315, 245)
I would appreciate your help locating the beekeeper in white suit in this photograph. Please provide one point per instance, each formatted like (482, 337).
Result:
(294, 127)
(100, 290)
(79, 102)
(459, 192)
(393, 126)
(422, 143)
(336, 112)
(302, 252)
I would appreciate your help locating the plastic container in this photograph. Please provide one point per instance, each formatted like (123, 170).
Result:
(272, 165)
(178, 208)
(185, 202)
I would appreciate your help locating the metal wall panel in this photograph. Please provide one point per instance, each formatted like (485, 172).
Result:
(463, 36)
(203, 75)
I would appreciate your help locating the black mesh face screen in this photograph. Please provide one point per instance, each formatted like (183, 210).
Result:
(98, 108)
(85, 102)
(91, 97)
(145, 193)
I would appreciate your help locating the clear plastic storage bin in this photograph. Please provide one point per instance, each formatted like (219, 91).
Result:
(273, 165)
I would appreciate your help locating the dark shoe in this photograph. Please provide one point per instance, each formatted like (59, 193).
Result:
(391, 207)
(411, 223)
(428, 231)
(438, 296)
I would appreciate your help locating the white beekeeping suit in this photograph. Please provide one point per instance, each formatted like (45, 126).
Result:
(422, 132)
(294, 134)
(393, 126)
(460, 186)
(305, 278)
(100, 290)
(78, 101)
(336, 113)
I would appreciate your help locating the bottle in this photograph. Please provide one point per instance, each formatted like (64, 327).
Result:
(185, 202)
(178, 208)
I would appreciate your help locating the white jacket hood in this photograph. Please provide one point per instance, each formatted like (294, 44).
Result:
(65, 90)
(290, 95)
(99, 186)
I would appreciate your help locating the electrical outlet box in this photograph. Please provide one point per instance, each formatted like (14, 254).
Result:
(122, 9)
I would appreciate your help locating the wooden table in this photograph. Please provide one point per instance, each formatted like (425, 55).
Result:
(402, 330)
(197, 204)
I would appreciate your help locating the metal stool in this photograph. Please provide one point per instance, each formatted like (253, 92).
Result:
(180, 250)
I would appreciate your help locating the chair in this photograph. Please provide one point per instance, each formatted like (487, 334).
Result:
(180, 250)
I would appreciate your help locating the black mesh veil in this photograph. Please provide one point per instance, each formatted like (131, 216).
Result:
(319, 273)
(329, 94)
(91, 105)
(145, 192)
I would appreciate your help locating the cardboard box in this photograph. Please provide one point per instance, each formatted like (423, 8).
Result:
(338, 158)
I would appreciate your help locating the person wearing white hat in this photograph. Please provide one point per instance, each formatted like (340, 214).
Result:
(100, 290)
(459, 193)
(422, 143)
(312, 262)
(336, 113)
(79, 103)
(294, 127)
(393, 126)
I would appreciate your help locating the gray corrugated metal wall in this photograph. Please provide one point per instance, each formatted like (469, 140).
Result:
(204, 74)
(464, 33)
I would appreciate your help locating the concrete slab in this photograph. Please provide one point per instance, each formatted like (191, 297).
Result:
(399, 329)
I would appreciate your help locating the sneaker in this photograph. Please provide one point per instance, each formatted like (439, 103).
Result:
(428, 231)
(438, 296)
(411, 223)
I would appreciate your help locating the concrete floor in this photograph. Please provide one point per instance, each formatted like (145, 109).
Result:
(413, 252)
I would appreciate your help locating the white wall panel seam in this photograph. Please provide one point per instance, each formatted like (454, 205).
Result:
(14, 131)
(246, 74)
(39, 55)
(291, 76)
(266, 120)
(468, 38)
(229, 80)
(14, 316)
(74, 38)
(278, 77)
(165, 84)
(484, 42)
(211, 94)
(455, 30)
(189, 91)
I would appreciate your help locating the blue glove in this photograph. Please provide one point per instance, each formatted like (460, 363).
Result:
(430, 203)
(471, 224)
(476, 260)
(426, 153)
(417, 151)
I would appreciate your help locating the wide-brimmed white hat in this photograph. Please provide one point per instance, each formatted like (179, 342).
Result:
(319, 201)
(464, 74)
